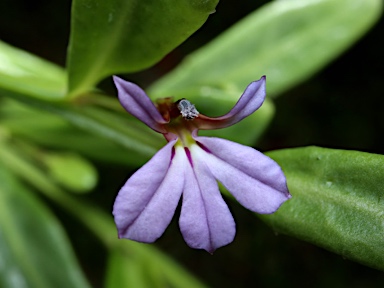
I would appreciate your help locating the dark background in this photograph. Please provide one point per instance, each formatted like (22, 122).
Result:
(340, 107)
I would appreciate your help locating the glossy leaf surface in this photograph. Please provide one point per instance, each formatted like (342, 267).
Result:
(288, 41)
(337, 201)
(25, 73)
(118, 36)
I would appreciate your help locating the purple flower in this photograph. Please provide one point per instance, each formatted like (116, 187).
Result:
(190, 165)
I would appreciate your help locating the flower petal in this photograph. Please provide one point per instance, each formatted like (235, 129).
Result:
(205, 220)
(137, 103)
(146, 203)
(251, 100)
(255, 180)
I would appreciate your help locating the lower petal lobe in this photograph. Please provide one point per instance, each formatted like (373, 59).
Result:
(146, 203)
(205, 220)
(255, 180)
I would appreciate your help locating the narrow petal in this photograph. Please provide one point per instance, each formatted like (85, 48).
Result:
(137, 103)
(255, 180)
(146, 203)
(205, 220)
(251, 100)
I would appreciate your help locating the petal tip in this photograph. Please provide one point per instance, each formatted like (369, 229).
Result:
(116, 79)
(278, 206)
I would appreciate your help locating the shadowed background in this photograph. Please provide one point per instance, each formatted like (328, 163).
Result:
(340, 107)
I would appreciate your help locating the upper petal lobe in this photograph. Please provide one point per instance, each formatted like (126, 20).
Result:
(137, 103)
(251, 100)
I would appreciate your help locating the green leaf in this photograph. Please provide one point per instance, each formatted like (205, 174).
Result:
(52, 131)
(130, 271)
(34, 249)
(103, 123)
(71, 170)
(337, 201)
(146, 267)
(117, 36)
(288, 41)
(25, 73)
(124, 272)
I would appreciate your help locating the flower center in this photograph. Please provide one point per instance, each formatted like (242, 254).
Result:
(180, 115)
(187, 109)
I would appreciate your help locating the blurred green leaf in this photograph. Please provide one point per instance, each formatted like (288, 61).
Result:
(117, 36)
(288, 41)
(124, 272)
(128, 271)
(337, 201)
(51, 131)
(145, 268)
(25, 73)
(140, 143)
(34, 249)
(71, 170)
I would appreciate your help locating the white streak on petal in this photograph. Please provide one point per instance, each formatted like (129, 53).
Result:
(255, 180)
(205, 220)
(146, 203)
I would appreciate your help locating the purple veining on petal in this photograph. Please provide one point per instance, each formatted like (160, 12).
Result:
(205, 220)
(137, 103)
(172, 155)
(203, 147)
(188, 153)
(254, 179)
(251, 100)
